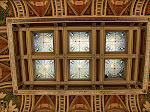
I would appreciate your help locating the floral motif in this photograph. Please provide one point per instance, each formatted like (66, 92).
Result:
(6, 10)
(6, 106)
(146, 106)
(2, 95)
(3, 4)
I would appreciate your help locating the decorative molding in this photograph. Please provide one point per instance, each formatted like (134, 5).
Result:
(28, 5)
(19, 8)
(27, 103)
(12, 57)
(78, 19)
(59, 7)
(62, 103)
(75, 92)
(132, 99)
(98, 103)
(80, 92)
(146, 67)
(21, 11)
(138, 7)
(99, 7)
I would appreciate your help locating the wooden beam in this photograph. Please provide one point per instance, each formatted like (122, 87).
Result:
(93, 48)
(102, 49)
(29, 53)
(129, 61)
(137, 54)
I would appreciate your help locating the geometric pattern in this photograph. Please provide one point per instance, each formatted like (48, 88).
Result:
(88, 11)
(143, 98)
(147, 11)
(115, 41)
(44, 69)
(3, 44)
(6, 10)
(109, 10)
(39, 6)
(119, 5)
(114, 68)
(79, 41)
(5, 52)
(9, 12)
(127, 11)
(79, 69)
(4, 35)
(76, 105)
(43, 42)
(79, 6)
(44, 103)
(119, 105)
(16, 99)
(69, 11)
(49, 11)
(5, 71)
(31, 12)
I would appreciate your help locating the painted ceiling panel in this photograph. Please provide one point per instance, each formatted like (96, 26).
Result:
(40, 6)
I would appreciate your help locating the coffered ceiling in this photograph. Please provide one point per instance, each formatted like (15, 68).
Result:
(23, 18)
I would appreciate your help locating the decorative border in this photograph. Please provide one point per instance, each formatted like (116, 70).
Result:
(80, 92)
(3, 29)
(77, 19)
(147, 54)
(12, 57)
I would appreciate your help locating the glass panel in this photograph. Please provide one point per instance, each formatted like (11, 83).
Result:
(43, 42)
(79, 41)
(44, 69)
(79, 69)
(115, 41)
(114, 68)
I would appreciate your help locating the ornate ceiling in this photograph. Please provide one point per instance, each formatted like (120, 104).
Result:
(66, 9)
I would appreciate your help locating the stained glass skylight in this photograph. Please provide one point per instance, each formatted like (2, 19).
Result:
(44, 69)
(115, 41)
(114, 68)
(79, 69)
(79, 41)
(43, 42)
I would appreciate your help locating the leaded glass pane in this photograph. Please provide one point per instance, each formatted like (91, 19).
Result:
(115, 41)
(79, 69)
(79, 41)
(114, 68)
(44, 69)
(43, 42)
